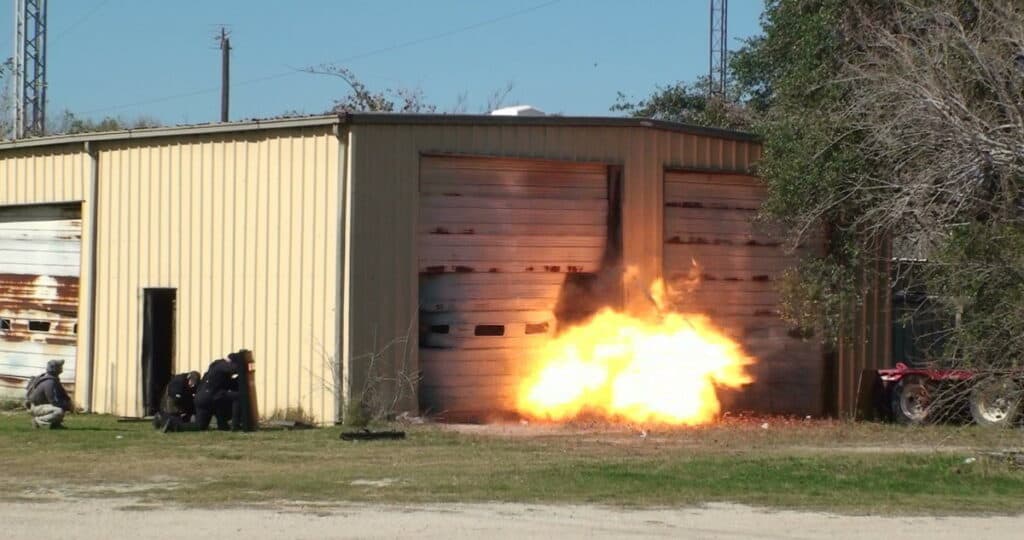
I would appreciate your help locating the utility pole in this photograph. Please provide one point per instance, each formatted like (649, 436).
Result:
(718, 57)
(225, 72)
(29, 68)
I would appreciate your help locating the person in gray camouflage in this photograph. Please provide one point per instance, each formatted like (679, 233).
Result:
(46, 399)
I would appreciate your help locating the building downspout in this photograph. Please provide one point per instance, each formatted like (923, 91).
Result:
(90, 335)
(341, 322)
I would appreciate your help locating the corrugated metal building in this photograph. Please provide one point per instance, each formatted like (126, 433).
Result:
(425, 253)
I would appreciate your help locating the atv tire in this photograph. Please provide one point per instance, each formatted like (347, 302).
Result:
(911, 402)
(996, 403)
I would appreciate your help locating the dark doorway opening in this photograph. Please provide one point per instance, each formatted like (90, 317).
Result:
(157, 345)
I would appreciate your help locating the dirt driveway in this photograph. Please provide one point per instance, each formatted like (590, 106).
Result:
(88, 519)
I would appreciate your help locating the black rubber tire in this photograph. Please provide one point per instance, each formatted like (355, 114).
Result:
(911, 402)
(996, 403)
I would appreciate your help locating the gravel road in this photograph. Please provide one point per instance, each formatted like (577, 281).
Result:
(88, 519)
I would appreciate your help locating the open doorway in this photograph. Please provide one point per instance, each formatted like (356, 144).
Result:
(157, 345)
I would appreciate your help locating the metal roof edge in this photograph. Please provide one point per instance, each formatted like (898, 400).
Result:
(375, 118)
(175, 131)
(550, 120)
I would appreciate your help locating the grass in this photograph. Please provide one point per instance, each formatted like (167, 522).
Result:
(834, 466)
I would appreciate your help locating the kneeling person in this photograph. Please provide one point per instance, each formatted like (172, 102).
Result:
(218, 396)
(179, 400)
(46, 398)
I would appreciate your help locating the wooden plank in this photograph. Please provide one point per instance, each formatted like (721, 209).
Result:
(499, 254)
(737, 262)
(555, 265)
(473, 397)
(515, 241)
(705, 218)
(489, 163)
(511, 229)
(455, 356)
(722, 287)
(713, 251)
(440, 216)
(459, 281)
(498, 304)
(482, 343)
(724, 180)
(459, 322)
(567, 179)
(489, 203)
(732, 232)
(698, 296)
(596, 192)
(690, 191)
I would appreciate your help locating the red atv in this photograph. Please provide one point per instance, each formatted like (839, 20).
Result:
(922, 395)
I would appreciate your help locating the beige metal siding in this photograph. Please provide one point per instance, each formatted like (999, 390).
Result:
(385, 167)
(245, 227)
(55, 175)
(719, 261)
(498, 240)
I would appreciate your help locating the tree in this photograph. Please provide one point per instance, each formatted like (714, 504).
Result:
(68, 123)
(690, 104)
(361, 99)
(6, 116)
(900, 119)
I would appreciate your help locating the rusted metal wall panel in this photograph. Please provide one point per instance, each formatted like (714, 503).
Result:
(721, 262)
(382, 303)
(866, 342)
(498, 239)
(245, 227)
(46, 176)
(39, 267)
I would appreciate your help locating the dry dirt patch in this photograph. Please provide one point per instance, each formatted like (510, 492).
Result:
(96, 519)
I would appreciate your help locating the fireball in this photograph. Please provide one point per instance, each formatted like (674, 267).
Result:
(657, 369)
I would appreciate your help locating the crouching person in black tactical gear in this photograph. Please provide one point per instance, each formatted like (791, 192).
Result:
(218, 397)
(178, 403)
(46, 399)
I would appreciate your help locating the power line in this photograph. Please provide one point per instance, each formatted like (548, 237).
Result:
(359, 56)
(79, 21)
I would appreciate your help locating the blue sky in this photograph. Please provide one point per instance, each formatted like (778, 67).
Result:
(159, 58)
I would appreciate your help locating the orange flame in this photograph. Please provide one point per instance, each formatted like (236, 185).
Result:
(661, 369)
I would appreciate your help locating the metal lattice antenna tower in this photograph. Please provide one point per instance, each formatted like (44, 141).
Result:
(29, 67)
(717, 61)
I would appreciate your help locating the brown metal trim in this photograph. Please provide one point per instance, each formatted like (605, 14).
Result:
(613, 249)
(376, 119)
(90, 354)
(461, 155)
(555, 121)
(710, 170)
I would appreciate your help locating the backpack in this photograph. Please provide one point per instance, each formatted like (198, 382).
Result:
(31, 387)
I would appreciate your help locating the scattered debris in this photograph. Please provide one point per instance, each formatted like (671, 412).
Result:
(407, 418)
(970, 460)
(1013, 458)
(764, 425)
(367, 435)
(383, 482)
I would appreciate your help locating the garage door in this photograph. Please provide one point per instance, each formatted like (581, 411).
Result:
(40, 248)
(498, 241)
(720, 261)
